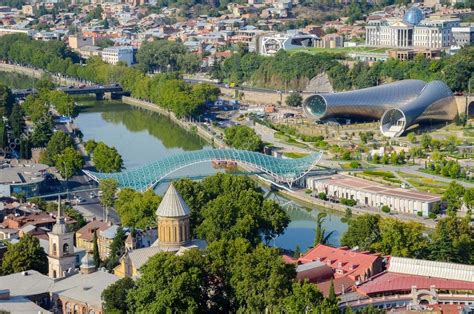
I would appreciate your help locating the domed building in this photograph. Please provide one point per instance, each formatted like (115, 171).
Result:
(174, 235)
(413, 31)
(413, 16)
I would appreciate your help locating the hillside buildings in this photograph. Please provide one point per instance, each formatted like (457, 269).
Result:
(114, 55)
(413, 31)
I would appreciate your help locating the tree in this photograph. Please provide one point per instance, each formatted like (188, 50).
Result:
(116, 249)
(69, 162)
(95, 250)
(106, 159)
(363, 232)
(115, 296)
(25, 255)
(243, 137)
(294, 99)
(411, 137)
(6, 100)
(56, 145)
(425, 141)
(77, 216)
(42, 131)
(321, 237)
(260, 279)
(332, 294)
(137, 210)
(108, 188)
(17, 121)
(305, 297)
(453, 240)
(453, 196)
(63, 102)
(89, 146)
(405, 239)
(171, 283)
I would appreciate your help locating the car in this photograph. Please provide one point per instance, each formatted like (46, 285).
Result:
(92, 195)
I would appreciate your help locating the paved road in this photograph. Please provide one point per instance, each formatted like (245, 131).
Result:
(415, 171)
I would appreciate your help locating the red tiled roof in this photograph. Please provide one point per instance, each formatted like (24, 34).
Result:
(340, 284)
(87, 232)
(289, 260)
(388, 281)
(351, 263)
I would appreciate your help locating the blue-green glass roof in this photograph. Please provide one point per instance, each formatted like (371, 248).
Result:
(147, 176)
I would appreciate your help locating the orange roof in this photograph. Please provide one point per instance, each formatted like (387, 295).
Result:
(345, 261)
(87, 232)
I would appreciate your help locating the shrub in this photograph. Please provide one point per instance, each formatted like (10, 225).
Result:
(322, 196)
(386, 209)
(419, 214)
(348, 201)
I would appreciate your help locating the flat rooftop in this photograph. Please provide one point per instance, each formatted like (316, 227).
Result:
(373, 187)
(22, 174)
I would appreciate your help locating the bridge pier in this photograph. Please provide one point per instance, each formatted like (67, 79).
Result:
(99, 96)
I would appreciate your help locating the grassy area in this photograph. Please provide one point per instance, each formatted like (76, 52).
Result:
(379, 173)
(381, 176)
(424, 184)
(344, 50)
(288, 140)
(294, 155)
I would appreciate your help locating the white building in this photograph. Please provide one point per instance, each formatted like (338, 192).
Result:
(114, 55)
(271, 43)
(414, 31)
(463, 36)
(373, 194)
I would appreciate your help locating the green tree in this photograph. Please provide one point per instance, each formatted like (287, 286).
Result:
(294, 99)
(77, 216)
(411, 137)
(453, 240)
(116, 249)
(321, 237)
(108, 189)
(25, 255)
(115, 296)
(405, 239)
(171, 283)
(69, 162)
(42, 131)
(261, 279)
(56, 145)
(305, 298)
(63, 102)
(243, 137)
(95, 250)
(363, 232)
(453, 196)
(332, 293)
(106, 159)
(6, 100)
(90, 146)
(17, 121)
(137, 209)
(425, 141)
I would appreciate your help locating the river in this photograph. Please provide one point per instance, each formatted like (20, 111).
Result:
(141, 137)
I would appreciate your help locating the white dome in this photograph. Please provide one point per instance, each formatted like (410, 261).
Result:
(172, 204)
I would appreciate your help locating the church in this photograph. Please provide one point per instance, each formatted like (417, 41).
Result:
(174, 235)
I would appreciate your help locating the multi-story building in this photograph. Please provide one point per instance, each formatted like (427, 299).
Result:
(463, 36)
(105, 233)
(114, 55)
(373, 194)
(414, 31)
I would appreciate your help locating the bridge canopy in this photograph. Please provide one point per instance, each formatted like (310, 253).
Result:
(148, 176)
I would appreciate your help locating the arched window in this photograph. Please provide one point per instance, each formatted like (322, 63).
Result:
(54, 274)
(68, 308)
(55, 250)
(76, 309)
(66, 248)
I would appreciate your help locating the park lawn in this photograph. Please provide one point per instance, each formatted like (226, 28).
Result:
(425, 184)
(294, 155)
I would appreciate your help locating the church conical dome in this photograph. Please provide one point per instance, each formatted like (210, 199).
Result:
(172, 204)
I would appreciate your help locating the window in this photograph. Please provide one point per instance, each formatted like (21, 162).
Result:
(66, 248)
(55, 250)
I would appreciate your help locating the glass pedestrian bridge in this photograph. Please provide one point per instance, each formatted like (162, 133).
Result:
(146, 177)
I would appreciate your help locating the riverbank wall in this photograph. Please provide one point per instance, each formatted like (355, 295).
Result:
(185, 124)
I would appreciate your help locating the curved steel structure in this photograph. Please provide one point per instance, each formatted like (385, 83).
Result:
(398, 105)
(146, 177)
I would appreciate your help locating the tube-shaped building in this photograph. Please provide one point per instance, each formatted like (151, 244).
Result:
(398, 105)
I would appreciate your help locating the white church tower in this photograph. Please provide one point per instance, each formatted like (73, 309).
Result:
(61, 257)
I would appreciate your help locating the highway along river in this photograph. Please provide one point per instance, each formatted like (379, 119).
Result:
(141, 137)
